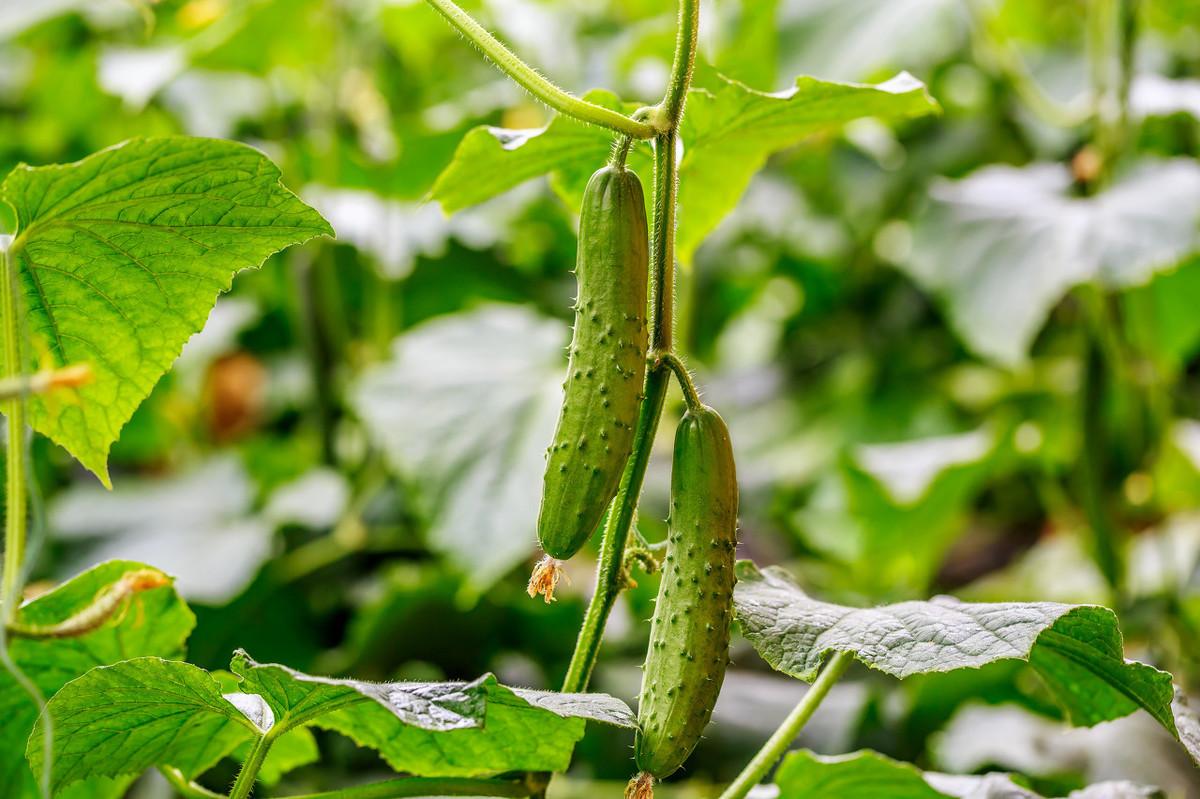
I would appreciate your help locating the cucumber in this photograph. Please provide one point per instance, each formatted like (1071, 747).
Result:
(689, 636)
(607, 364)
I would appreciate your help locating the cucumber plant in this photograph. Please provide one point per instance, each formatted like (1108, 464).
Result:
(124, 253)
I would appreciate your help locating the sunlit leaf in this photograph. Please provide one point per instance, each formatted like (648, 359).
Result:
(1001, 247)
(121, 257)
(727, 136)
(465, 410)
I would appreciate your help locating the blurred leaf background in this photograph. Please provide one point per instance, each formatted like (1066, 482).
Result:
(953, 359)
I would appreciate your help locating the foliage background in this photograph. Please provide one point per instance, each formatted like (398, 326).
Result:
(927, 393)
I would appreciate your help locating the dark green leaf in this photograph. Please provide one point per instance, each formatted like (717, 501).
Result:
(437, 729)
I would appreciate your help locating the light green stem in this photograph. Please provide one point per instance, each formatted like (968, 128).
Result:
(425, 786)
(533, 82)
(14, 413)
(778, 743)
(684, 62)
(690, 395)
(185, 787)
(244, 785)
(610, 573)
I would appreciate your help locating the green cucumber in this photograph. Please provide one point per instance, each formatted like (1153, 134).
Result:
(689, 637)
(607, 363)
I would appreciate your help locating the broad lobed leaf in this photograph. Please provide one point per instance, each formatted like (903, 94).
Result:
(465, 409)
(1002, 246)
(125, 718)
(1076, 649)
(727, 136)
(120, 258)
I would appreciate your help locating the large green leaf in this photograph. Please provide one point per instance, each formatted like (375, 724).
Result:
(122, 719)
(121, 257)
(438, 729)
(727, 136)
(144, 712)
(465, 410)
(869, 775)
(1076, 649)
(156, 622)
(1001, 247)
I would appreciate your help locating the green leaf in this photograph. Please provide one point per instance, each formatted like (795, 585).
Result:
(1002, 247)
(465, 410)
(1076, 649)
(870, 775)
(121, 257)
(123, 719)
(437, 729)
(492, 160)
(727, 136)
(156, 622)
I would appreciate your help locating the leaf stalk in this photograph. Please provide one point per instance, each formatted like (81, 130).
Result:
(534, 82)
(14, 412)
(782, 738)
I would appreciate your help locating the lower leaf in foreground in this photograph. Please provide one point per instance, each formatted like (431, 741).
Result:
(1077, 650)
(869, 775)
(146, 622)
(146, 712)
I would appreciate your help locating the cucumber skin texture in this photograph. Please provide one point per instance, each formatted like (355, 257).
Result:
(607, 363)
(689, 637)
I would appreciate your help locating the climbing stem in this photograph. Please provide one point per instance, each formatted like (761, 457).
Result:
(684, 62)
(690, 395)
(778, 743)
(662, 245)
(610, 574)
(533, 82)
(14, 414)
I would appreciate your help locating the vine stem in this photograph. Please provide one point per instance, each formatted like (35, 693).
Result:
(684, 62)
(534, 82)
(610, 574)
(244, 785)
(14, 412)
(782, 738)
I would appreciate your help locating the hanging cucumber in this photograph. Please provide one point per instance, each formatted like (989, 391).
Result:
(607, 363)
(689, 636)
